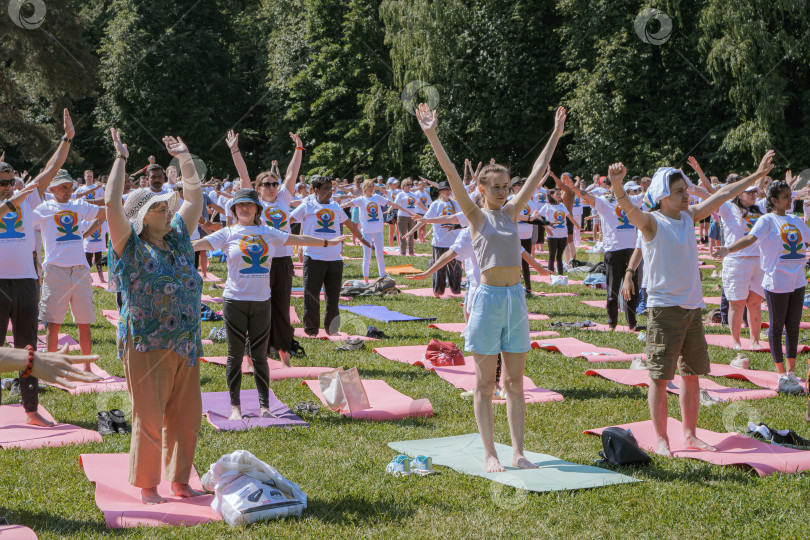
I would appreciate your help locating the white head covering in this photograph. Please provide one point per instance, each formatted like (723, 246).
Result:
(659, 186)
(141, 200)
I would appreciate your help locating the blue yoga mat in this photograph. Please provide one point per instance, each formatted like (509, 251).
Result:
(382, 313)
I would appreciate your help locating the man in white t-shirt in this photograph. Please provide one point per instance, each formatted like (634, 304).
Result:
(91, 191)
(66, 281)
(321, 217)
(19, 288)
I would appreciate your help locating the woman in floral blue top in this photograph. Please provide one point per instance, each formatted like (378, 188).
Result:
(152, 265)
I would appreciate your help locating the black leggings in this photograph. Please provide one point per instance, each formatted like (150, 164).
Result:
(784, 311)
(245, 318)
(281, 277)
(556, 246)
(527, 245)
(616, 263)
(96, 257)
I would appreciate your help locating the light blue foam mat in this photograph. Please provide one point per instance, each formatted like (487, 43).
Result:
(383, 314)
(465, 454)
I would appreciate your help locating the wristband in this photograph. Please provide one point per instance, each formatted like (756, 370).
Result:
(65, 138)
(27, 372)
(120, 156)
(235, 151)
(300, 148)
(622, 197)
(630, 270)
(11, 206)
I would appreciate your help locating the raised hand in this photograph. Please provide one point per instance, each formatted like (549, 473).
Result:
(426, 117)
(175, 146)
(232, 140)
(274, 163)
(559, 120)
(120, 148)
(297, 140)
(68, 123)
(788, 175)
(694, 164)
(616, 173)
(766, 164)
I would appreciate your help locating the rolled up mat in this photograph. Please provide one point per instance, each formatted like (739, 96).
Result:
(108, 383)
(602, 304)
(428, 292)
(340, 336)
(216, 407)
(386, 403)
(732, 448)
(294, 316)
(464, 377)
(574, 348)
(16, 433)
(121, 502)
(725, 340)
(64, 339)
(465, 454)
(16, 532)
(707, 267)
(763, 379)
(383, 314)
(402, 269)
(459, 328)
(641, 377)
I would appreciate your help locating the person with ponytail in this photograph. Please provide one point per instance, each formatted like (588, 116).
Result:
(498, 321)
(782, 246)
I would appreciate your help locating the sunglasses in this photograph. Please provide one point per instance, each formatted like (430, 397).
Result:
(7, 182)
(270, 184)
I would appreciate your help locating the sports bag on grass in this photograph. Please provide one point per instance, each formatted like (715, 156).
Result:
(444, 353)
(621, 448)
(343, 390)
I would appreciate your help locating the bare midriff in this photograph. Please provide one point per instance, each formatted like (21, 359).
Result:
(501, 276)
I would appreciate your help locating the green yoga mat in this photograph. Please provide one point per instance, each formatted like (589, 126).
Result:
(465, 454)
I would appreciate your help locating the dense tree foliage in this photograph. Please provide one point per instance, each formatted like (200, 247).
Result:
(645, 83)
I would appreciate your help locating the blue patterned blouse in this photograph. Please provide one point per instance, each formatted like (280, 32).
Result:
(160, 293)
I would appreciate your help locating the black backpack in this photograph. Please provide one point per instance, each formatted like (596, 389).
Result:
(621, 448)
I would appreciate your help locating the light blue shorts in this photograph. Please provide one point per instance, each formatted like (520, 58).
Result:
(499, 321)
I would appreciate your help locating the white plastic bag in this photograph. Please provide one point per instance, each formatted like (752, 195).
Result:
(559, 280)
(248, 490)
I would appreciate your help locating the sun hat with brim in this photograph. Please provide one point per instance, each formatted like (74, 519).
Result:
(631, 186)
(245, 196)
(62, 177)
(443, 185)
(141, 200)
(751, 188)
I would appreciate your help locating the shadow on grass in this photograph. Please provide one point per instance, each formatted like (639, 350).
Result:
(632, 392)
(698, 472)
(57, 525)
(352, 510)
(327, 418)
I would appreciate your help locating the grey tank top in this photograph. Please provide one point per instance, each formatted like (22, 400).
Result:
(498, 242)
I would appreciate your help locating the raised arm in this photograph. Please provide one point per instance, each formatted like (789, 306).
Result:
(117, 221)
(705, 208)
(295, 164)
(192, 206)
(639, 219)
(58, 158)
(440, 263)
(704, 180)
(567, 193)
(232, 140)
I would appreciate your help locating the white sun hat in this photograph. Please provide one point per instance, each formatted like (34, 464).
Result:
(141, 200)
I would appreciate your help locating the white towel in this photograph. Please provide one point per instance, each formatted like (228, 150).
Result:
(659, 186)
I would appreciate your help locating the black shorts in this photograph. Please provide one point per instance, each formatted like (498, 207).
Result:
(295, 228)
(570, 225)
(706, 220)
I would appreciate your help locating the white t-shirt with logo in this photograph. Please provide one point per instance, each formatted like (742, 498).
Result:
(541, 196)
(443, 235)
(276, 214)
(250, 251)
(96, 242)
(17, 240)
(424, 198)
(407, 201)
(84, 192)
(371, 213)
(617, 232)
(525, 229)
(735, 226)
(321, 221)
(782, 243)
(576, 208)
(555, 215)
(59, 223)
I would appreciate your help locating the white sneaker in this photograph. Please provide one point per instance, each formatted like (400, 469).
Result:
(787, 386)
(641, 336)
(638, 363)
(740, 361)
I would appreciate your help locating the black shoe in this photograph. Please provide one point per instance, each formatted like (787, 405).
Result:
(352, 344)
(105, 423)
(118, 420)
(296, 349)
(376, 333)
(639, 328)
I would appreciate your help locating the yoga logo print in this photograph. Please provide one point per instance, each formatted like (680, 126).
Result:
(411, 203)
(373, 212)
(275, 217)
(447, 211)
(254, 253)
(326, 220)
(749, 220)
(624, 223)
(541, 197)
(11, 226)
(66, 223)
(792, 242)
(96, 236)
(559, 219)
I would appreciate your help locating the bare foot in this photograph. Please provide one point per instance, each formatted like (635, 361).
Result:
(663, 448)
(36, 419)
(519, 461)
(693, 443)
(493, 465)
(285, 358)
(87, 367)
(183, 490)
(236, 412)
(437, 295)
(265, 413)
(150, 496)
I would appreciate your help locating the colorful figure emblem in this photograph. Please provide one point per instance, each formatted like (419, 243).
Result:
(275, 217)
(254, 253)
(11, 226)
(621, 215)
(559, 219)
(326, 220)
(373, 212)
(791, 242)
(66, 223)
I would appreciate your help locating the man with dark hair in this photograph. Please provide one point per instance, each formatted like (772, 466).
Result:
(321, 217)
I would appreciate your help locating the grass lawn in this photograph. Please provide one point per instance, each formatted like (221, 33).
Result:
(340, 463)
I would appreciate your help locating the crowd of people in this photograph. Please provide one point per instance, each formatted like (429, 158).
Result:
(154, 229)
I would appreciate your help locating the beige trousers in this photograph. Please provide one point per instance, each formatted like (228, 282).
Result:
(166, 415)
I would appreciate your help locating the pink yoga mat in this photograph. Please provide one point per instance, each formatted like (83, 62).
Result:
(574, 348)
(602, 304)
(210, 278)
(40, 327)
(15, 433)
(553, 294)
(210, 299)
(386, 403)
(459, 328)
(64, 339)
(111, 315)
(16, 532)
(732, 448)
(537, 317)
(725, 340)
(108, 383)
(121, 502)
(277, 370)
(97, 283)
(406, 354)
(641, 377)
(547, 279)
(247, 365)
(464, 377)
(428, 292)
(294, 316)
(340, 336)
(394, 251)
(763, 379)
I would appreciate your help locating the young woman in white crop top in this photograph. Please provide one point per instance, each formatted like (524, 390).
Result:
(498, 321)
